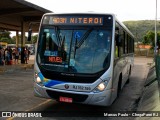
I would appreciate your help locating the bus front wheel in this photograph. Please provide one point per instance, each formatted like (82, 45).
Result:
(119, 85)
(128, 76)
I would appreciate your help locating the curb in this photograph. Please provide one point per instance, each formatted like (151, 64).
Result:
(149, 100)
(9, 68)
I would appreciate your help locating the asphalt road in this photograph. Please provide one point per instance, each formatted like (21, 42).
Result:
(16, 94)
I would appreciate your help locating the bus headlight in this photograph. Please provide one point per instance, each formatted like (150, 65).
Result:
(38, 80)
(101, 87)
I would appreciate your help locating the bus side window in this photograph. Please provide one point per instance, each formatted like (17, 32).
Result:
(116, 46)
(123, 42)
(117, 42)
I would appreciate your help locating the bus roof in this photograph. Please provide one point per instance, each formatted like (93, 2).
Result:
(86, 13)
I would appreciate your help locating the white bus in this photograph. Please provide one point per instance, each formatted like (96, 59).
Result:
(82, 58)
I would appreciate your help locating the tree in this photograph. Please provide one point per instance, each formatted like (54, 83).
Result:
(5, 37)
(141, 27)
(34, 38)
(9, 41)
(149, 39)
(5, 34)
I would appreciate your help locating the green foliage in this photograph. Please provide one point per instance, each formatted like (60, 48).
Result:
(7, 40)
(5, 37)
(146, 41)
(5, 34)
(140, 28)
(33, 39)
(149, 39)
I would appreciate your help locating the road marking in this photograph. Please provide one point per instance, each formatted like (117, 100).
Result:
(43, 103)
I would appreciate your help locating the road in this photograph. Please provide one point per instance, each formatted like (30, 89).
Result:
(16, 90)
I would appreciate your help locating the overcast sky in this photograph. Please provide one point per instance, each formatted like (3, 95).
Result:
(124, 9)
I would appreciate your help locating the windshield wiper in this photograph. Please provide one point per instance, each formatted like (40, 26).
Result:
(75, 48)
(85, 36)
(70, 50)
(59, 39)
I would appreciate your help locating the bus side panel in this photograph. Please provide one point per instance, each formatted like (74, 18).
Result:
(117, 68)
(125, 72)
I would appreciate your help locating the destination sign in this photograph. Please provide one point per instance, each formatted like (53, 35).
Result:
(74, 20)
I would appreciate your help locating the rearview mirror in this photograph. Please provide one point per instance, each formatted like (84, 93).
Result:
(29, 34)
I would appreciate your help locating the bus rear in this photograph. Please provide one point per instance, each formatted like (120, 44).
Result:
(73, 59)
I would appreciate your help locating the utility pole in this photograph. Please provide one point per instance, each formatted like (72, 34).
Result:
(155, 50)
(157, 58)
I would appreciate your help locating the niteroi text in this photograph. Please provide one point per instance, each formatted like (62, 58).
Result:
(78, 20)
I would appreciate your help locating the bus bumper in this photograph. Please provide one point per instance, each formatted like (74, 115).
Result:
(92, 98)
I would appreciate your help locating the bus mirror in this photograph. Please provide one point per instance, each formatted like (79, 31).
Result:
(29, 34)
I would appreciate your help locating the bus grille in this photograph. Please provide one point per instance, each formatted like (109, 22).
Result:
(75, 79)
(76, 97)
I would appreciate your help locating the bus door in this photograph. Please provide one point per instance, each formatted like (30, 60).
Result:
(120, 57)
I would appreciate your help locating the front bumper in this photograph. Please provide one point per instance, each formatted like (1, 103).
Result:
(92, 98)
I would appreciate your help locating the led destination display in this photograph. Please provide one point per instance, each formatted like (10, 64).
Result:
(74, 20)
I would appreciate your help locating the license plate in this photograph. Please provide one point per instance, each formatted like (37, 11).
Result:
(65, 99)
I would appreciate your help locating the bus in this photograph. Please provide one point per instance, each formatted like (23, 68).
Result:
(82, 58)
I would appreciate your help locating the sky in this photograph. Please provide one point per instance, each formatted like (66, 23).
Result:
(124, 9)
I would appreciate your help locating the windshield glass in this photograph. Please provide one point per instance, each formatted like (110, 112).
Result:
(83, 50)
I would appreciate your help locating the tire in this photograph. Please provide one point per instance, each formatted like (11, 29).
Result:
(119, 85)
(128, 80)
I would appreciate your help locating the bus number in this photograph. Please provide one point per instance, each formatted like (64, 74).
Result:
(81, 87)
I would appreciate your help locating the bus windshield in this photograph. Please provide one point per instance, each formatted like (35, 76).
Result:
(74, 49)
